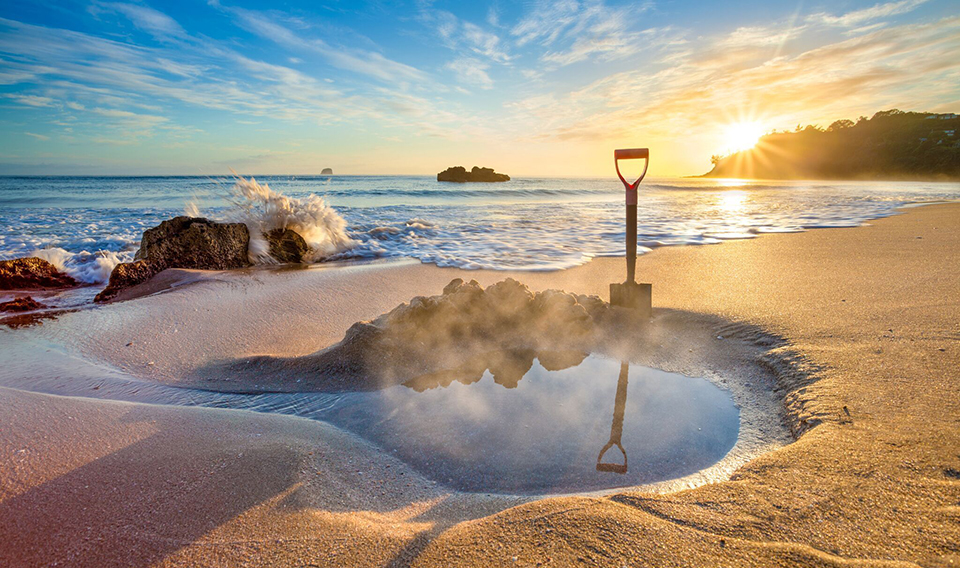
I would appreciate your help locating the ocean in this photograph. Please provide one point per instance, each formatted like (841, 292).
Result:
(86, 225)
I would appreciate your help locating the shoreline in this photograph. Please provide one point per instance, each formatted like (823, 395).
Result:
(830, 299)
(176, 277)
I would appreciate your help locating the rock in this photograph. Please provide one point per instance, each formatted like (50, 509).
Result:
(128, 274)
(195, 242)
(22, 304)
(327, 172)
(32, 274)
(286, 245)
(182, 242)
(459, 174)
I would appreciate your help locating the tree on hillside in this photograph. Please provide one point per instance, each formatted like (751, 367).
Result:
(892, 144)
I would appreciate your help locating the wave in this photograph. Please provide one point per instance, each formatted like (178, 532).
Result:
(263, 209)
(87, 267)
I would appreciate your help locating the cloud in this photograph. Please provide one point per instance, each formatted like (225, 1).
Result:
(368, 63)
(547, 21)
(31, 100)
(466, 37)
(37, 136)
(911, 66)
(575, 31)
(874, 12)
(157, 24)
(471, 71)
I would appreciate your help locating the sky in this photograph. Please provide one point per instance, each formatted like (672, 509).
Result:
(530, 88)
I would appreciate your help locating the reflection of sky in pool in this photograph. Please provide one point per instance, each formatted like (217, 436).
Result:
(507, 425)
(543, 433)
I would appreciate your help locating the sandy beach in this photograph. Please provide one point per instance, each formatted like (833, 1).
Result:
(858, 328)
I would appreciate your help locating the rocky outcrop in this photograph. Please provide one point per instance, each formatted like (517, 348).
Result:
(22, 304)
(128, 274)
(32, 274)
(182, 242)
(286, 245)
(459, 174)
(195, 242)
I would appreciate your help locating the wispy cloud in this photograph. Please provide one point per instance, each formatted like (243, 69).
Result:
(471, 71)
(862, 16)
(365, 62)
(31, 100)
(158, 24)
(889, 67)
(576, 31)
(37, 136)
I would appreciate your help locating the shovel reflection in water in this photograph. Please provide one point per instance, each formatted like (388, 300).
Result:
(616, 429)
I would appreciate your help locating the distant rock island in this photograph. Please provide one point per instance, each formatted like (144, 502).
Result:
(327, 172)
(892, 145)
(460, 174)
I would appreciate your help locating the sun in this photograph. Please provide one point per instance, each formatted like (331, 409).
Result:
(742, 135)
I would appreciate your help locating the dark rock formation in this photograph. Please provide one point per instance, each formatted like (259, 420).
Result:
(21, 304)
(327, 172)
(182, 242)
(286, 245)
(460, 174)
(195, 242)
(32, 274)
(128, 274)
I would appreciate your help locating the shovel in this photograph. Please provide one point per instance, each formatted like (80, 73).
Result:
(616, 428)
(630, 294)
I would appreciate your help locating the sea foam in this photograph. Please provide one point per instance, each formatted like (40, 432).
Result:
(263, 209)
(87, 267)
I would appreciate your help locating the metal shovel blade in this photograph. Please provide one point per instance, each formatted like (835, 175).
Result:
(633, 295)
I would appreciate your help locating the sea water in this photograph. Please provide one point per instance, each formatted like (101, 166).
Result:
(86, 225)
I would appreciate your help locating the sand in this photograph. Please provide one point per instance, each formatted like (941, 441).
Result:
(866, 358)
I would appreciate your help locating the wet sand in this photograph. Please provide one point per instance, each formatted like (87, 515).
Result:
(867, 358)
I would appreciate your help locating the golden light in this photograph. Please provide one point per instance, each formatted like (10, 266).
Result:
(742, 135)
(732, 201)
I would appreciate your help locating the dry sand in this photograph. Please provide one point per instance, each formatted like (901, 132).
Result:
(871, 316)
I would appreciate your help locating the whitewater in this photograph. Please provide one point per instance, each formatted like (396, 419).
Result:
(86, 225)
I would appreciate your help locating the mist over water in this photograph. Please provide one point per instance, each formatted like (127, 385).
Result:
(88, 224)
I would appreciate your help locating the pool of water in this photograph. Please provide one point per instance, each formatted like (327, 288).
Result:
(531, 424)
(514, 423)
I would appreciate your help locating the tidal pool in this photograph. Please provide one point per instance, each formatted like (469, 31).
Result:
(528, 424)
(514, 422)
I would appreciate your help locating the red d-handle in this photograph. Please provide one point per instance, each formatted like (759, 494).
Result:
(631, 154)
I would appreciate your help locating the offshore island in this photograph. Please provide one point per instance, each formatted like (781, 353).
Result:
(459, 174)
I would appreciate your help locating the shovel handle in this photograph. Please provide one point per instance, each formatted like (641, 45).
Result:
(612, 466)
(631, 154)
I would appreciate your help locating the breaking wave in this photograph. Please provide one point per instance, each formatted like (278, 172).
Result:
(263, 209)
(87, 267)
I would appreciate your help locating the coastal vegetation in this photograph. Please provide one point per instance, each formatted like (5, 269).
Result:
(892, 144)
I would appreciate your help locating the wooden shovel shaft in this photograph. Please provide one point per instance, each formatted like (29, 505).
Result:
(616, 428)
(631, 243)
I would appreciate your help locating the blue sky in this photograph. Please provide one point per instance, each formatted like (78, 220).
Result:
(531, 88)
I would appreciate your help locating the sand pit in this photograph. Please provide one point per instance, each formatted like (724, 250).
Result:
(850, 334)
(701, 405)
